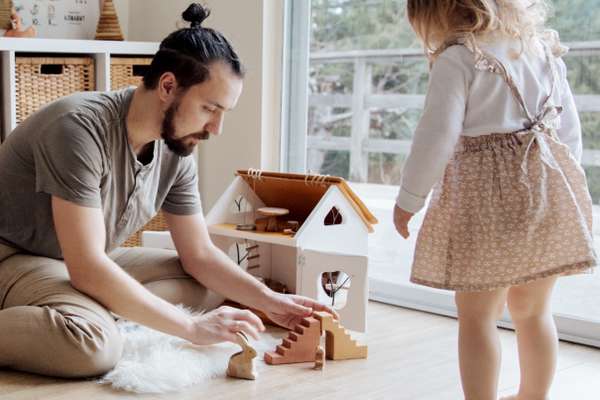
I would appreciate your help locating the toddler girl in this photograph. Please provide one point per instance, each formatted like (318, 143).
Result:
(500, 143)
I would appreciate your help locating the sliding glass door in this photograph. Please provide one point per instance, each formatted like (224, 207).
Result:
(356, 84)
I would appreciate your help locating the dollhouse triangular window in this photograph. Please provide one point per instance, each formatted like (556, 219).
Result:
(333, 217)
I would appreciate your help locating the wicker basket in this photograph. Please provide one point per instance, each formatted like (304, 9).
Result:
(40, 80)
(158, 223)
(126, 71)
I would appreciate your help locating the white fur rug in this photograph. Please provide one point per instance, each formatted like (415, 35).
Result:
(154, 362)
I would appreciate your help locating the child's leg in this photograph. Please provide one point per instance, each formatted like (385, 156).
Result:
(478, 342)
(529, 306)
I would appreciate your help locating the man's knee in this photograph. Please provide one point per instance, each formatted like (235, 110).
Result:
(95, 350)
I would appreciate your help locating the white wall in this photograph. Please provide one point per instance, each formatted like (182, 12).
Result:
(122, 7)
(250, 136)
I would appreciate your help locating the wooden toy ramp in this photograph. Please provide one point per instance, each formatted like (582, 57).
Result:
(303, 342)
(339, 345)
(300, 345)
(300, 193)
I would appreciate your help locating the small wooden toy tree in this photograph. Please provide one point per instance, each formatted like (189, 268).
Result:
(6, 11)
(108, 24)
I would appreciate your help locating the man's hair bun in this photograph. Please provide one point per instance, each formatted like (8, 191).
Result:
(195, 14)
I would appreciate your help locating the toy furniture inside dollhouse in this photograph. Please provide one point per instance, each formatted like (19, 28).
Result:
(302, 234)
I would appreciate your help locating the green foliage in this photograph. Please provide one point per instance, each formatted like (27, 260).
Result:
(345, 25)
(360, 24)
(576, 20)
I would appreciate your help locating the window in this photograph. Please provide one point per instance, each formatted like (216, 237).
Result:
(357, 79)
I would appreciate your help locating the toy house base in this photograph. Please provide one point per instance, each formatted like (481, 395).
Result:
(326, 259)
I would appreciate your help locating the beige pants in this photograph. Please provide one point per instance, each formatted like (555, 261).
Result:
(48, 327)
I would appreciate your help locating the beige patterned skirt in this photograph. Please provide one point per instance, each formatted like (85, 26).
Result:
(510, 209)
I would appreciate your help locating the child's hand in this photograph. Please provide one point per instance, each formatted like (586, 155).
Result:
(401, 218)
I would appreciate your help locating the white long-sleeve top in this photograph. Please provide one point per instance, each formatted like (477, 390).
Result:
(462, 100)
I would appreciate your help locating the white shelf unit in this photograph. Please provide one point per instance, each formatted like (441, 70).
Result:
(100, 50)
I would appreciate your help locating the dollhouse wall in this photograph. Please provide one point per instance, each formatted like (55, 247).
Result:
(227, 244)
(349, 237)
(283, 266)
(276, 262)
(224, 210)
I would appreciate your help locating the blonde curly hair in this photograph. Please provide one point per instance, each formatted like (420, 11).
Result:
(438, 21)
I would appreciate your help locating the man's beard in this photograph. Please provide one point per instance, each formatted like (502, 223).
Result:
(178, 146)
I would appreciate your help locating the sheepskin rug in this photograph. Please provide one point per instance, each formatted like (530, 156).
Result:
(154, 362)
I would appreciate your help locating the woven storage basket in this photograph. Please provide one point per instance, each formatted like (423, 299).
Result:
(127, 71)
(41, 80)
(158, 223)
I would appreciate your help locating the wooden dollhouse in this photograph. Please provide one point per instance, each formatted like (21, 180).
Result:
(324, 253)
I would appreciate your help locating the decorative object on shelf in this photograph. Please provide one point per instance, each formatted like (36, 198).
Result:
(55, 19)
(14, 28)
(241, 364)
(6, 12)
(108, 24)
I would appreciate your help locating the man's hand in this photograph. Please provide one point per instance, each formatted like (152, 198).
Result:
(401, 219)
(221, 325)
(288, 310)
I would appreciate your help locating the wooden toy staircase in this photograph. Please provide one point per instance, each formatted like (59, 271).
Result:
(339, 345)
(303, 342)
(300, 345)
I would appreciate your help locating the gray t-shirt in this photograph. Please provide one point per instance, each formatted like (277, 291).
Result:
(76, 148)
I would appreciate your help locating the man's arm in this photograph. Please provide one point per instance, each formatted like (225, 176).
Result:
(209, 265)
(81, 235)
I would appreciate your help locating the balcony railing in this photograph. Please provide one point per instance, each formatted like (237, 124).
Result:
(361, 101)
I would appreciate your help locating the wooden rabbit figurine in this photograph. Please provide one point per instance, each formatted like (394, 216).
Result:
(241, 365)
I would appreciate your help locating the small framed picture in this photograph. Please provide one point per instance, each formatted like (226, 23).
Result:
(64, 19)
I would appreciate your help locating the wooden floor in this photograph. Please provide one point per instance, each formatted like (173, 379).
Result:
(412, 355)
